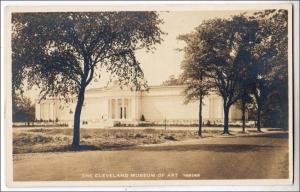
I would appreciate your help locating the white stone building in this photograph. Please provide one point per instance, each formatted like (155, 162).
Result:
(111, 105)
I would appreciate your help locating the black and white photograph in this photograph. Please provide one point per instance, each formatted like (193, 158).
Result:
(158, 93)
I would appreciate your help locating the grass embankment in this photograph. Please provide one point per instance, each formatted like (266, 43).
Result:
(59, 139)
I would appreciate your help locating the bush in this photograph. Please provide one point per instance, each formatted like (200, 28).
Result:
(170, 137)
(138, 135)
(28, 139)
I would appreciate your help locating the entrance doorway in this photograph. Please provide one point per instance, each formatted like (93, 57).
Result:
(119, 108)
(123, 113)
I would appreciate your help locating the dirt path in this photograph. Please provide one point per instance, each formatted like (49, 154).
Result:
(255, 157)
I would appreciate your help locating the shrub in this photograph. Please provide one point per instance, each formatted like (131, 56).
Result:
(170, 137)
(138, 135)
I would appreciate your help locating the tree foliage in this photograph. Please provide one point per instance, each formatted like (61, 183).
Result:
(270, 57)
(195, 77)
(173, 81)
(22, 109)
(245, 60)
(222, 47)
(62, 52)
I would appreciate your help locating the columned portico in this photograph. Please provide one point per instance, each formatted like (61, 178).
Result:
(119, 108)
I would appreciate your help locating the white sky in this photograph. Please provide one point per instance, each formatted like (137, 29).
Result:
(165, 60)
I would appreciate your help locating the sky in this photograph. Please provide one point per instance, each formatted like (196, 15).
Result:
(166, 59)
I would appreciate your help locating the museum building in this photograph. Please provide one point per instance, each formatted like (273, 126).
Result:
(108, 106)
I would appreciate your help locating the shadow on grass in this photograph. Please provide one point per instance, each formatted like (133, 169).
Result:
(69, 148)
(271, 135)
(224, 148)
(232, 148)
(110, 147)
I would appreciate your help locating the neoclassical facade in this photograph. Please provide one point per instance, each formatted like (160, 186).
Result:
(111, 105)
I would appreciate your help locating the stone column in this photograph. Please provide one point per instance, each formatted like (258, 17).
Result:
(133, 108)
(41, 111)
(57, 110)
(116, 109)
(128, 110)
(51, 110)
(54, 110)
(46, 111)
(37, 111)
(108, 108)
(123, 104)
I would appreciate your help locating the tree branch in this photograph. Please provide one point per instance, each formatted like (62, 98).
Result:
(91, 74)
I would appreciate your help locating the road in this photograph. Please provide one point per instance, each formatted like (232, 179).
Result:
(257, 157)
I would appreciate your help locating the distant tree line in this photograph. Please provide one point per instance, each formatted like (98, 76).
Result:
(173, 80)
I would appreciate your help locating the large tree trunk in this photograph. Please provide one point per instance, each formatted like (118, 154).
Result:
(258, 99)
(200, 118)
(284, 118)
(284, 111)
(226, 120)
(258, 120)
(243, 116)
(76, 130)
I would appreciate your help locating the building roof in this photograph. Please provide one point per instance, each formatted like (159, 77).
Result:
(149, 87)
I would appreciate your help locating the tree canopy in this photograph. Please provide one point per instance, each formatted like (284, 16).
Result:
(195, 77)
(62, 52)
(59, 52)
(240, 58)
(222, 45)
(22, 109)
(173, 80)
(270, 57)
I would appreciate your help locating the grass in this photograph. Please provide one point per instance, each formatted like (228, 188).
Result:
(60, 139)
(37, 140)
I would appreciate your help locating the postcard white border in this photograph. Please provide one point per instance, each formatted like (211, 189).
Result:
(178, 6)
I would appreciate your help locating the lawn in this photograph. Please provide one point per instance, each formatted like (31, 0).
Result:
(35, 140)
(59, 139)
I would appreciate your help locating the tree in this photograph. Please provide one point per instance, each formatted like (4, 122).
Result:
(173, 81)
(245, 85)
(23, 110)
(223, 44)
(194, 75)
(62, 52)
(270, 57)
(244, 104)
